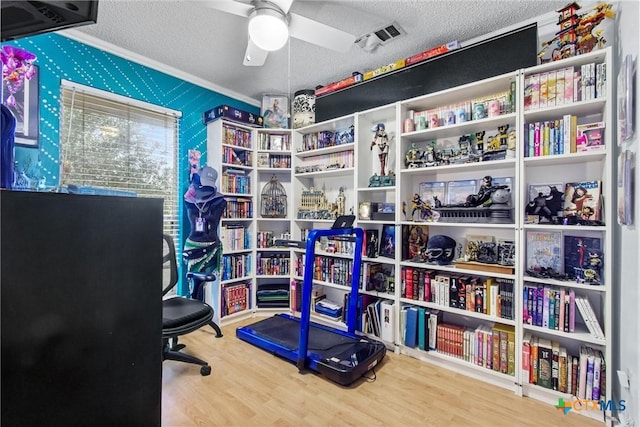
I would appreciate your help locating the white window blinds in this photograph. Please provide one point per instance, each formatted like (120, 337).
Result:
(116, 143)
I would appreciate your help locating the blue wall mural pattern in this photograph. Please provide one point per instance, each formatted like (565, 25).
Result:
(62, 58)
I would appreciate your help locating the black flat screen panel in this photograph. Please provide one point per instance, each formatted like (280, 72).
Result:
(499, 55)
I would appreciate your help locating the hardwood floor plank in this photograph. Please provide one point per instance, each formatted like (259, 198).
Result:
(250, 387)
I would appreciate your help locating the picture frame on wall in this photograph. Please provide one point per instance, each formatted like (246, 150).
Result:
(625, 100)
(625, 187)
(275, 111)
(26, 110)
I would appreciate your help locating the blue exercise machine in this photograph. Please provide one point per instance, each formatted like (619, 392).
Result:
(341, 356)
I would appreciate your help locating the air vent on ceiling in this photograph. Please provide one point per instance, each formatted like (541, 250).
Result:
(371, 41)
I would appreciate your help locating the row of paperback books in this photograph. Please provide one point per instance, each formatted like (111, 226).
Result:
(326, 138)
(238, 207)
(549, 365)
(235, 237)
(235, 298)
(264, 239)
(274, 161)
(378, 318)
(235, 181)
(235, 266)
(549, 307)
(487, 295)
(564, 86)
(327, 269)
(552, 308)
(274, 142)
(236, 156)
(339, 160)
(272, 265)
(562, 136)
(489, 346)
(236, 136)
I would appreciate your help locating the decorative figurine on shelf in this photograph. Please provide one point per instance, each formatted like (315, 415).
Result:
(483, 197)
(273, 200)
(423, 208)
(382, 141)
(479, 144)
(340, 201)
(374, 181)
(503, 136)
(388, 180)
(464, 143)
(414, 158)
(578, 33)
(440, 249)
(413, 155)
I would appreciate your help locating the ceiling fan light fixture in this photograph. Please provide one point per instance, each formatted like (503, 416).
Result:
(268, 28)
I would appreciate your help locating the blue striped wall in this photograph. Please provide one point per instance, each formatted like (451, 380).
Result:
(62, 58)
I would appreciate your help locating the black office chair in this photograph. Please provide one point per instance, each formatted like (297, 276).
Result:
(181, 315)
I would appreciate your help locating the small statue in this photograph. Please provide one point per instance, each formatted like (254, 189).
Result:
(340, 201)
(426, 213)
(374, 181)
(413, 155)
(484, 194)
(479, 143)
(381, 139)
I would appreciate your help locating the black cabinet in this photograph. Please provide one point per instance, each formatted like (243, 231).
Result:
(81, 280)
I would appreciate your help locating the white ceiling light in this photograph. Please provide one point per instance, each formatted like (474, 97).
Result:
(268, 26)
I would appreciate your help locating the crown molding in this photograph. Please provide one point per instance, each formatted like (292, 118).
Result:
(156, 65)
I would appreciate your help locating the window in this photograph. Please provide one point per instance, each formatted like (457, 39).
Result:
(116, 143)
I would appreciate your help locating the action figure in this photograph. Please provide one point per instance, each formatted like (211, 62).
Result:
(381, 139)
(426, 213)
(484, 194)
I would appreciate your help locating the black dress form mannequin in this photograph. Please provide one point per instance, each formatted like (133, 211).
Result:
(203, 248)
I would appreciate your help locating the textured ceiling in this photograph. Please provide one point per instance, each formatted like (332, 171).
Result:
(209, 44)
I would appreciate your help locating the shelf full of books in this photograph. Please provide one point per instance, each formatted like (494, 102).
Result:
(230, 148)
(567, 235)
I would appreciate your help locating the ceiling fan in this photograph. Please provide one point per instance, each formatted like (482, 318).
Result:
(271, 24)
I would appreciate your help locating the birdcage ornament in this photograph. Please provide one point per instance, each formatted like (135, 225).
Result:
(273, 200)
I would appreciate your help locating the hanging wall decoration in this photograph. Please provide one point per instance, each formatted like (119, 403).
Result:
(625, 100)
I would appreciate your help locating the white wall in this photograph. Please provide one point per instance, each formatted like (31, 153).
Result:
(626, 311)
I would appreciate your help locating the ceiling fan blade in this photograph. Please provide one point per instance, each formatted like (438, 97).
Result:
(284, 5)
(230, 6)
(254, 56)
(323, 35)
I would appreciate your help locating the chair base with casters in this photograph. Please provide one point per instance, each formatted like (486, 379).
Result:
(199, 279)
(181, 315)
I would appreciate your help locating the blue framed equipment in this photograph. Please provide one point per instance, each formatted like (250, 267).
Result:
(341, 356)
